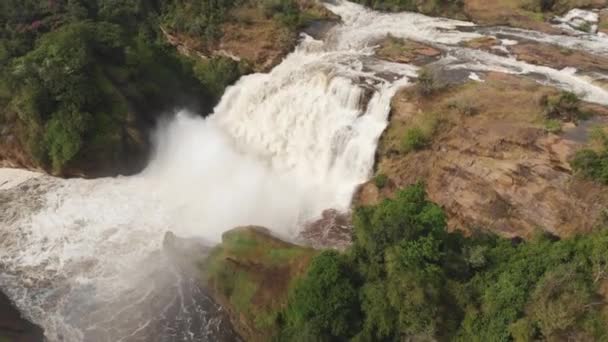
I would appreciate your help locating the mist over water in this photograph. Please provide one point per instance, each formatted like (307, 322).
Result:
(84, 259)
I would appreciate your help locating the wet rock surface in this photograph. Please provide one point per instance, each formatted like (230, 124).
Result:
(14, 327)
(332, 230)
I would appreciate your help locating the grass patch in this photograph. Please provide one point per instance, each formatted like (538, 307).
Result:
(553, 126)
(421, 135)
(394, 46)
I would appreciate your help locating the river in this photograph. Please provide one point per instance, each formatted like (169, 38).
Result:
(84, 258)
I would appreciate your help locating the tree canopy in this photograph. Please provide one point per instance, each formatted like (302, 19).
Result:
(407, 278)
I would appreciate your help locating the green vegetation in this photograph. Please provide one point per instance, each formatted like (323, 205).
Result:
(82, 81)
(563, 106)
(421, 135)
(80, 73)
(593, 163)
(324, 303)
(406, 278)
(427, 82)
(414, 139)
(251, 272)
(553, 126)
(381, 180)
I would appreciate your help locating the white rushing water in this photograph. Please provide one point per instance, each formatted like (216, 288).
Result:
(78, 256)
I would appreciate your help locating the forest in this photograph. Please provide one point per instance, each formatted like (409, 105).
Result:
(77, 77)
(407, 278)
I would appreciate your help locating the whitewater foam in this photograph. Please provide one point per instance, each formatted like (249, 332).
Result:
(81, 257)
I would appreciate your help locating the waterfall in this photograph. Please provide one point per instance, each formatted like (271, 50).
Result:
(81, 257)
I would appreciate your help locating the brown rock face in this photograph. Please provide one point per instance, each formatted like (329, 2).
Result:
(406, 51)
(332, 230)
(496, 169)
(559, 58)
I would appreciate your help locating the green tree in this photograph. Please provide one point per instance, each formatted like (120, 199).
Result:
(324, 303)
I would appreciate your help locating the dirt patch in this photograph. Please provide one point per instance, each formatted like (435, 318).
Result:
(485, 43)
(491, 164)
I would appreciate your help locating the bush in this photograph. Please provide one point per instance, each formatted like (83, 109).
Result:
(427, 82)
(218, 73)
(415, 139)
(464, 107)
(553, 126)
(380, 180)
(593, 164)
(559, 300)
(565, 106)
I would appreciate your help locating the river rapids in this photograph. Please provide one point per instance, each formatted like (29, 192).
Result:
(84, 258)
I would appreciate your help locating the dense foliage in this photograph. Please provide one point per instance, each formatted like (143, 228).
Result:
(77, 75)
(406, 278)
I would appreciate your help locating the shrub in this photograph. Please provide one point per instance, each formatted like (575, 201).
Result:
(420, 136)
(427, 82)
(558, 301)
(218, 73)
(464, 107)
(565, 106)
(590, 163)
(553, 126)
(380, 180)
(522, 331)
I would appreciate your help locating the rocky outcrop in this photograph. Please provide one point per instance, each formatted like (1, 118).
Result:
(15, 328)
(250, 274)
(491, 164)
(406, 51)
(332, 230)
(544, 54)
